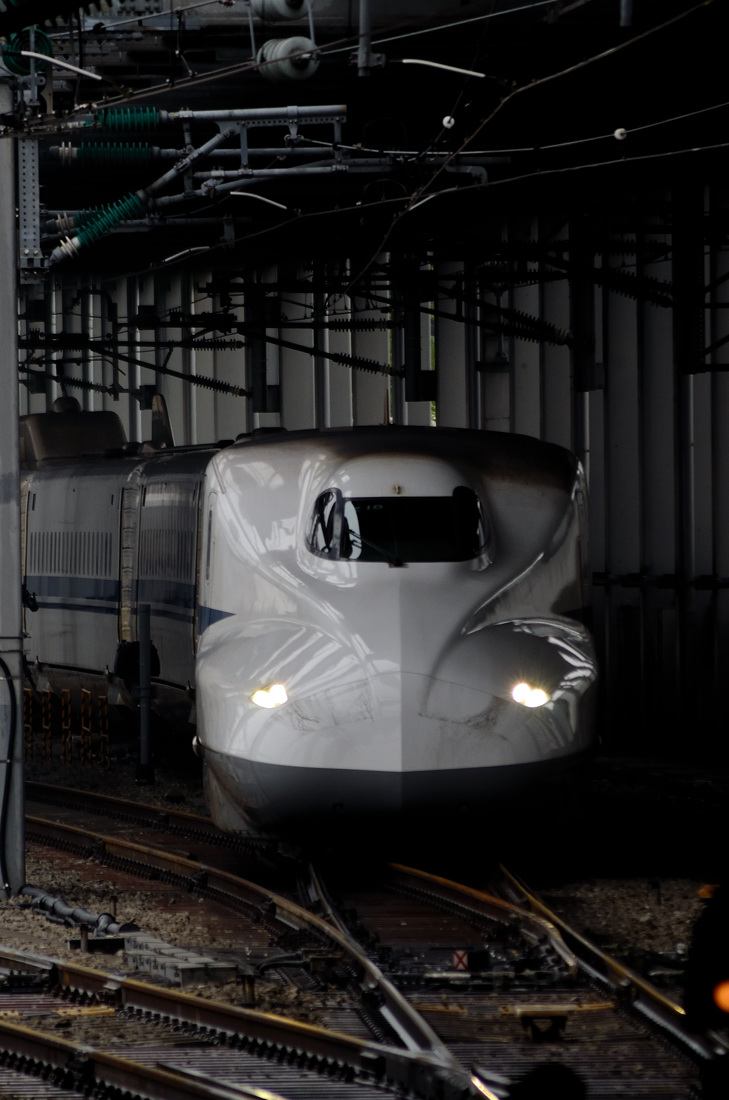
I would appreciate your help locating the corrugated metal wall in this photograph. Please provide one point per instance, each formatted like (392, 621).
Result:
(590, 331)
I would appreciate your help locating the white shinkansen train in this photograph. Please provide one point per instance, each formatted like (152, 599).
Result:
(370, 621)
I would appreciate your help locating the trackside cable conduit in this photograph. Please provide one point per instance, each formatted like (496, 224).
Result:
(56, 909)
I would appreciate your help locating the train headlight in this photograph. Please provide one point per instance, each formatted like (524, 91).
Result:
(529, 696)
(270, 697)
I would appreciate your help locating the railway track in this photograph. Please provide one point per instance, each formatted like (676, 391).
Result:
(192, 1036)
(507, 995)
(449, 991)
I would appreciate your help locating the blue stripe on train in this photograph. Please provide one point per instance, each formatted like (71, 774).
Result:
(93, 607)
(162, 591)
(148, 590)
(210, 615)
(168, 599)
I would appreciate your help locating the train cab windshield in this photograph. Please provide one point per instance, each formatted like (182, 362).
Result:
(398, 529)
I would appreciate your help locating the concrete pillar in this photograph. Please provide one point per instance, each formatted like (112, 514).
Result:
(525, 355)
(556, 380)
(496, 364)
(261, 358)
(371, 392)
(160, 294)
(106, 370)
(206, 430)
(185, 361)
(231, 413)
(297, 368)
(658, 498)
(53, 324)
(421, 412)
(339, 378)
(128, 300)
(88, 325)
(624, 651)
(718, 331)
(69, 323)
(451, 350)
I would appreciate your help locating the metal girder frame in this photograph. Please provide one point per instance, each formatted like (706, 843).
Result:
(30, 256)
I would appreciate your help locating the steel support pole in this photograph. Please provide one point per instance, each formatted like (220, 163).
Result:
(364, 52)
(12, 839)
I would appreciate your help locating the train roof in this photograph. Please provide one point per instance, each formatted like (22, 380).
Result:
(505, 455)
(67, 432)
(72, 433)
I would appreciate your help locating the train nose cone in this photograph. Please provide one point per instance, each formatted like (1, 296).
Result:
(380, 747)
(408, 722)
(361, 734)
(366, 748)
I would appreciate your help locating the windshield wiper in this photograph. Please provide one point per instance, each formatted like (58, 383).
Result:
(394, 561)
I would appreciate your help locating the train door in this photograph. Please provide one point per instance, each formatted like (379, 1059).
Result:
(166, 563)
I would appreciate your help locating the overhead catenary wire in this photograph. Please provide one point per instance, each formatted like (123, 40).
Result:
(400, 203)
(214, 179)
(314, 146)
(347, 43)
(421, 194)
(689, 150)
(103, 352)
(422, 191)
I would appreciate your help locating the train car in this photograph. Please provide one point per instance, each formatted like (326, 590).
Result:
(371, 621)
(391, 620)
(107, 527)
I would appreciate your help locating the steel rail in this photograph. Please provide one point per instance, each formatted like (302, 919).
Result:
(470, 902)
(432, 1068)
(88, 1068)
(630, 988)
(398, 1011)
(430, 1060)
(536, 922)
(535, 928)
(214, 1016)
(262, 1031)
(162, 818)
(455, 895)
